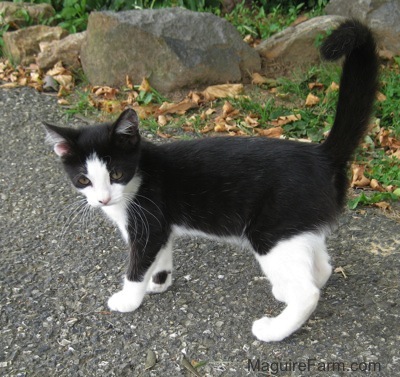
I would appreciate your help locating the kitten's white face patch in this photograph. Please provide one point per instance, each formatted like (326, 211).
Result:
(101, 192)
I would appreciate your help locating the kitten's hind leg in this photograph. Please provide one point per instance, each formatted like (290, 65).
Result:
(292, 268)
(161, 278)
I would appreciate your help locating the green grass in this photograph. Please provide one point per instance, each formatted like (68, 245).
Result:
(260, 24)
(80, 104)
(388, 110)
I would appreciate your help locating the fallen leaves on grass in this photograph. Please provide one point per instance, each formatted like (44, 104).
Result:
(285, 119)
(317, 85)
(358, 178)
(33, 77)
(177, 108)
(275, 132)
(258, 79)
(222, 91)
(20, 76)
(311, 100)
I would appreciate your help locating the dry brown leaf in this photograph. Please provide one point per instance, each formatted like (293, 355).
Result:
(334, 87)
(177, 108)
(209, 111)
(285, 119)
(380, 97)
(195, 97)
(257, 79)
(222, 91)
(386, 140)
(359, 179)
(390, 188)
(145, 86)
(63, 102)
(162, 120)
(220, 127)
(64, 80)
(145, 111)
(396, 154)
(58, 69)
(232, 129)
(105, 91)
(340, 270)
(249, 39)
(251, 122)
(312, 100)
(275, 132)
(383, 137)
(317, 85)
(207, 129)
(382, 205)
(35, 77)
(228, 110)
(128, 82)
(9, 85)
(22, 81)
(375, 185)
(131, 98)
(63, 91)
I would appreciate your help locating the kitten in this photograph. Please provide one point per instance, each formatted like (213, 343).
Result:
(277, 198)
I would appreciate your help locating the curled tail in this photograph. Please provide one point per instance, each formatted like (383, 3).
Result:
(358, 86)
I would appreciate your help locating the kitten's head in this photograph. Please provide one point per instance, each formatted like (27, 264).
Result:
(101, 160)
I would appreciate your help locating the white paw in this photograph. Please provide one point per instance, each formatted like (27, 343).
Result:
(123, 301)
(158, 288)
(268, 330)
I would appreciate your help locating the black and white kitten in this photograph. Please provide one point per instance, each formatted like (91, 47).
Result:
(277, 198)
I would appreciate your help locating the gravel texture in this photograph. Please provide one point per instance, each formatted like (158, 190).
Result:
(58, 269)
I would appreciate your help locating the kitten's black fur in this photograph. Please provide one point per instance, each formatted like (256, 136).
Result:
(255, 189)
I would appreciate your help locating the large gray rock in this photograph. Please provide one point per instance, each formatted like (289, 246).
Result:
(174, 48)
(296, 45)
(66, 50)
(22, 46)
(15, 14)
(383, 16)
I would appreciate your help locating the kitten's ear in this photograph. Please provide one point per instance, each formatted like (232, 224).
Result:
(127, 125)
(56, 137)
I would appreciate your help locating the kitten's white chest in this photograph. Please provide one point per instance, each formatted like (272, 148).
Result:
(117, 213)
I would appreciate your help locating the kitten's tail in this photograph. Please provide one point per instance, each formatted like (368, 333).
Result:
(358, 87)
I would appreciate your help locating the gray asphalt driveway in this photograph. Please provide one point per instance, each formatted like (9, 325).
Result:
(58, 269)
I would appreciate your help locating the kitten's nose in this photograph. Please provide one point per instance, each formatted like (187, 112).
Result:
(105, 201)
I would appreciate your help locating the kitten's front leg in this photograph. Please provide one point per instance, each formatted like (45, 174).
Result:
(143, 261)
(130, 297)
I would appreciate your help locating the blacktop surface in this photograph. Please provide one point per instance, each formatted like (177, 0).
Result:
(57, 271)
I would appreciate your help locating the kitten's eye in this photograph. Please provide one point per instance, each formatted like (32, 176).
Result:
(116, 175)
(84, 181)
